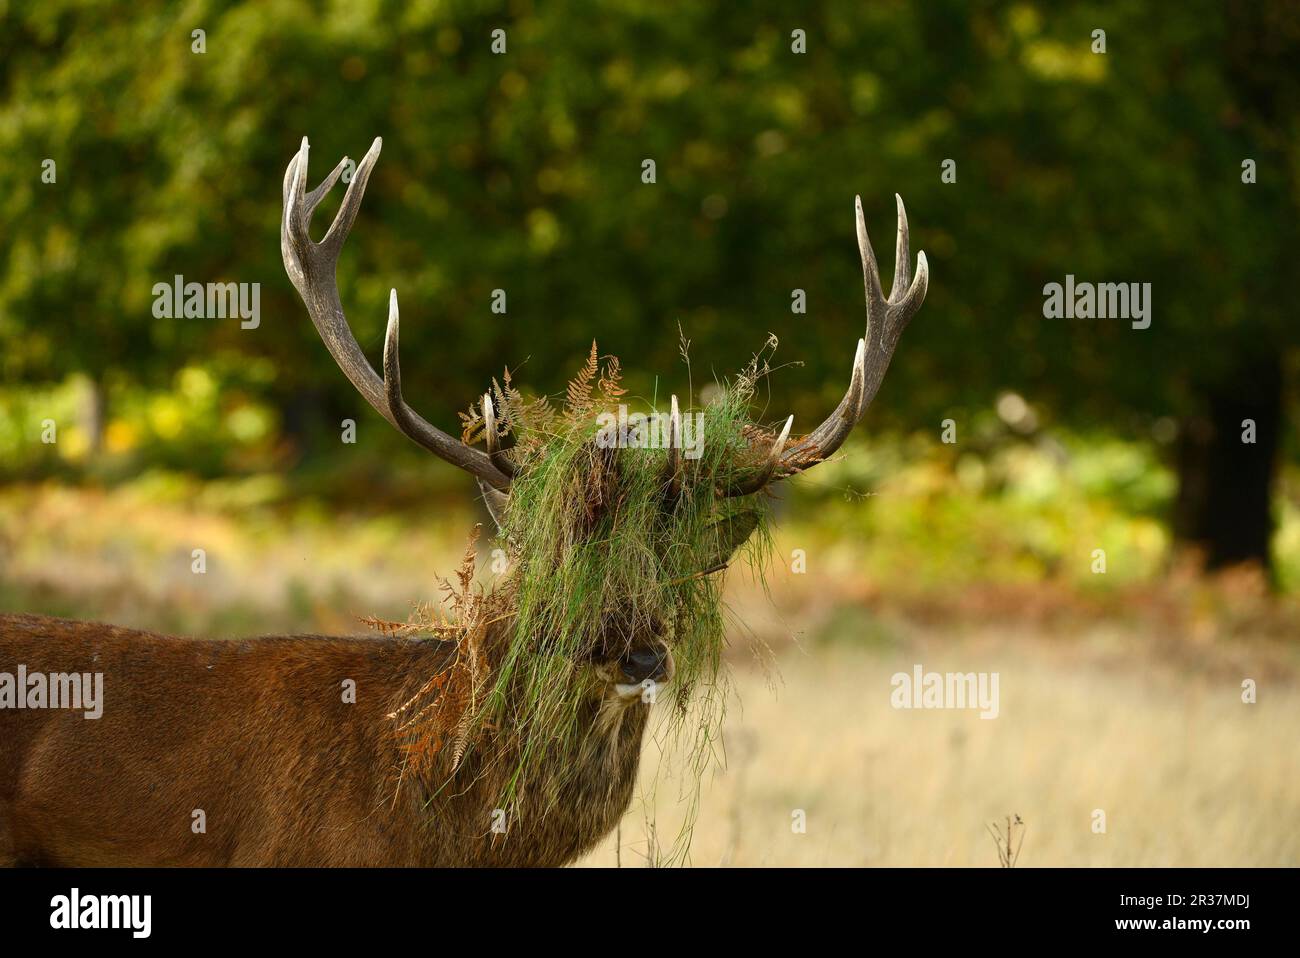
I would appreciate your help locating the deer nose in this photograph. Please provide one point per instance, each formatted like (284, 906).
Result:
(641, 664)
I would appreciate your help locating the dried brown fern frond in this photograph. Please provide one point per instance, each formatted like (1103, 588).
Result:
(443, 709)
(513, 405)
(513, 412)
(611, 379)
(436, 684)
(473, 676)
(471, 424)
(460, 594)
(425, 620)
(387, 626)
(449, 704)
(422, 733)
(540, 414)
(578, 395)
(432, 620)
(509, 404)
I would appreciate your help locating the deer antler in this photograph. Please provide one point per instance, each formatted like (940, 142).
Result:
(674, 466)
(886, 320)
(764, 475)
(311, 267)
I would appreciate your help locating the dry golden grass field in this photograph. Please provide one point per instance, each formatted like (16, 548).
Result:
(1186, 774)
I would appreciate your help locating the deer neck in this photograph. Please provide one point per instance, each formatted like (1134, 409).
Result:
(568, 805)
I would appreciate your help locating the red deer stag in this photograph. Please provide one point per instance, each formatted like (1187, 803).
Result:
(253, 737)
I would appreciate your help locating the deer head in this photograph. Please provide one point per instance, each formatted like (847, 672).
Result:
(634, 652)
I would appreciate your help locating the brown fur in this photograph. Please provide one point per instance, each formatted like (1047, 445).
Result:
(257, 735)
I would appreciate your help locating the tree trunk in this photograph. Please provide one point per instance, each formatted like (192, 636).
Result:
(1224, 506)
(96, 415)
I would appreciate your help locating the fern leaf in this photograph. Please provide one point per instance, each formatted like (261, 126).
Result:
(471, 425)
(611, 379)
(578, 396)
(387, 626)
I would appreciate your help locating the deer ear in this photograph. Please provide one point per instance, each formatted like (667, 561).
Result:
(729, 533)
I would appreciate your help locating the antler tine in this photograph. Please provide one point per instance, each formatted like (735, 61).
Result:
(764, 475)
(902, 254)
(886, 320)
(311, 267)
(489, 423)
(315, 196)
(674, 450)
(870, 270)
(495, 452)
(393, 371)
(836, 428)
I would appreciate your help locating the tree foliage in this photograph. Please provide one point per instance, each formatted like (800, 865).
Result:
(521, 171)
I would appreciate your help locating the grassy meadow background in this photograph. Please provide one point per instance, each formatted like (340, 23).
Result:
(1119, 691)
(1024, 153)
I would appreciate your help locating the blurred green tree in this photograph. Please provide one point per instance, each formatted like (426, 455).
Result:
(521, 171)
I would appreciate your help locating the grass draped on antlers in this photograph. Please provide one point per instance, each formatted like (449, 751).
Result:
(592, 546)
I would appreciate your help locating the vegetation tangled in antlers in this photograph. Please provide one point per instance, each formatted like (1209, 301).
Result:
(589, 542)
